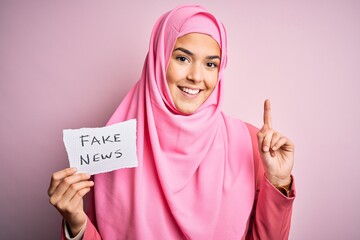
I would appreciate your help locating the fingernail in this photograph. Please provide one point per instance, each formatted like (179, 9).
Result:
(73, 169)
(265, 148)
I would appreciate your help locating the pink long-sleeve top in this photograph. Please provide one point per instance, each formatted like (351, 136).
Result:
(270, 216)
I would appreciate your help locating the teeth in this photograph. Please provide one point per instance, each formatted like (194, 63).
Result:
(190, 91)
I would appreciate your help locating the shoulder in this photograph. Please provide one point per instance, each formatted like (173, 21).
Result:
(259, 169)
(235, 123)
(253, 132)
(231, 121)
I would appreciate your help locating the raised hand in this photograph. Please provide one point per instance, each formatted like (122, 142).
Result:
(276, 151)
(66, 192)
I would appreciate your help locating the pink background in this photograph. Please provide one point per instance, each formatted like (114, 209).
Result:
(68, 64)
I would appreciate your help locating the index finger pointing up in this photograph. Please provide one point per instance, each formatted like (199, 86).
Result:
(267, 113)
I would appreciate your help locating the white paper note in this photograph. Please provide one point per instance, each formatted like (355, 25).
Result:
(99, 150)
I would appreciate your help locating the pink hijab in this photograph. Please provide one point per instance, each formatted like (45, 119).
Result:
(195, 175)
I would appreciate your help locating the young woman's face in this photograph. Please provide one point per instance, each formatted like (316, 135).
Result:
(192, 72)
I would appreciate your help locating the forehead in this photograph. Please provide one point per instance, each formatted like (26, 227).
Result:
(198, 42)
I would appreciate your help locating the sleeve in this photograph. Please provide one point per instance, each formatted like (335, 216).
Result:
(89, 231)
(79, 236)
(271, 214)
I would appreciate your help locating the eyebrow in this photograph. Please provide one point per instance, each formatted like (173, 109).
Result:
(192, 54)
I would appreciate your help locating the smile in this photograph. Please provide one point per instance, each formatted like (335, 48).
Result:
(190, 91)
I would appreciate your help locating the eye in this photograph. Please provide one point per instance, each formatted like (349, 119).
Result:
(211, 65)
(182, 59)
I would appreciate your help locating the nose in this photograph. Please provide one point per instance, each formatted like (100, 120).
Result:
(196, 73)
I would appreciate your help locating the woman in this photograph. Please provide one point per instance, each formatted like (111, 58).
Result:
(201, 174)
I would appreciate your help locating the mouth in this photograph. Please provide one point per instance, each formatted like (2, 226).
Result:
(190, 91)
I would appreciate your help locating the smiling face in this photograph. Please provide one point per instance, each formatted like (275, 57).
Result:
(192, 73)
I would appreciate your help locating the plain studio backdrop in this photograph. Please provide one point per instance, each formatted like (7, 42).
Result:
(68, 64)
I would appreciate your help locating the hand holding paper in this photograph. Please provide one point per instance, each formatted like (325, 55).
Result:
(90, 151)
(99, 150)
(66, 192)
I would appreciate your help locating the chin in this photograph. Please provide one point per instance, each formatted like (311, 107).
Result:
(186, 111)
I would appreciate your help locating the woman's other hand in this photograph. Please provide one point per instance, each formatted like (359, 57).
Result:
(276, 151)
(66, 192)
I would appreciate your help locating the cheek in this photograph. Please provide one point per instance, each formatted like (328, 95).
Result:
(171, 74)
(213, 81)
(168, 75)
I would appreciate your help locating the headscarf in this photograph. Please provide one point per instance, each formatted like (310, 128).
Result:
(195, 173)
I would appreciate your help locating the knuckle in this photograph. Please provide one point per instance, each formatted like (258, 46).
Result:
(84, 176)
(52, 201)
(267, 139)
(61, 206)
(73, 187)
(67, 182)
(85, 190)
(54, 177)
(80, 194)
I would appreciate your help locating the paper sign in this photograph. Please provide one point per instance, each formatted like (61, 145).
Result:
(99, 150)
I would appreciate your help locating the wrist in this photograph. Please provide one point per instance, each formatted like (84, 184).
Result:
(70, 235)
(277, 182)
(75, 228)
